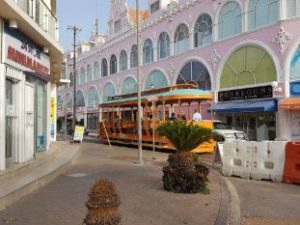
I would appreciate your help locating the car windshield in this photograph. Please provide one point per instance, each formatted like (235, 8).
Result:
(221, 126)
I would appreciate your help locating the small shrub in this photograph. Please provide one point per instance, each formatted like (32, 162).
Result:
(185, 174)
(103, 205)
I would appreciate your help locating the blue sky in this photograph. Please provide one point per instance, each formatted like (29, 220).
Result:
(83, 13)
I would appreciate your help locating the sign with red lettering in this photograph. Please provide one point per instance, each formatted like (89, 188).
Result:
(23, 54)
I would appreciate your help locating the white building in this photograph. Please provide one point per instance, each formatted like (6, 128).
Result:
(30, 68)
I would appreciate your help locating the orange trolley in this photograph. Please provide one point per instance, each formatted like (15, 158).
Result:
(119, 115)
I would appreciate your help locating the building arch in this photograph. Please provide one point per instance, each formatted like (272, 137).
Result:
(163, 45)
(92, 97)
(69, 100)
(292, 61)
(195, 72)
(82, 76)
(109, 90)
(96, 71)
(256, 43)
(133, 56)
(229, 20)
(113, 64)
(181, 39)
(80, 99)
(261, 13)
(156, 79)
(129, 85)
(123, 60)
(148, 51)
(247, 65)
(104, 68)
(89, 73)
(202, 30)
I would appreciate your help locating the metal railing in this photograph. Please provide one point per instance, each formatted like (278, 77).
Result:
(41, 14)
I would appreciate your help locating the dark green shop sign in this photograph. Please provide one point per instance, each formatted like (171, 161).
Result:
(246, 93)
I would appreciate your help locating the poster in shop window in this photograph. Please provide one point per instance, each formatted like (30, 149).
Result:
(295, 125)
(52, 118)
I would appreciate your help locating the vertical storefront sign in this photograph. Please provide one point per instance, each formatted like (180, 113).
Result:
(52, 118)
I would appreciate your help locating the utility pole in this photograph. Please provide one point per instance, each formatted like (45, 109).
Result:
(96, 27)
(139, 95)
(75, 30)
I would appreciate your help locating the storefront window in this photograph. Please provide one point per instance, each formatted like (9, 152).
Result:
(92, 121)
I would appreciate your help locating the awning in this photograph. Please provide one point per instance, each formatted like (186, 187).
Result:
(290, 104)
(40, 76)
(247, 106)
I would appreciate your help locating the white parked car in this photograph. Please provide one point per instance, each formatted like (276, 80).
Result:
(227, 132)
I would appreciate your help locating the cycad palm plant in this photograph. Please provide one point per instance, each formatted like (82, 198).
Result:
(185, 173)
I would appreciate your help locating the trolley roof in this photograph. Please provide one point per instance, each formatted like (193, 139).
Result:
(183, 92)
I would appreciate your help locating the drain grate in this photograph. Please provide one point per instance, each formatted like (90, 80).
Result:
(77, 175)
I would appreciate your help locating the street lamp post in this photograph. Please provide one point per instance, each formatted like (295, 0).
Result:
(139, 111)
(75, 30)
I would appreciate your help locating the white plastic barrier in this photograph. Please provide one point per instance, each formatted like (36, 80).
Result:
(269, 161)
(257, 160)
(236, 157)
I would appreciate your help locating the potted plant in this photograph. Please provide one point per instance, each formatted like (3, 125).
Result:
(103, 205)
(184, 172)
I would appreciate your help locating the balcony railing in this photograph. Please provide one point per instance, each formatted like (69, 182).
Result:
(41, 14)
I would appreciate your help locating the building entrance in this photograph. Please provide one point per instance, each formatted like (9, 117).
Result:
(10, 115)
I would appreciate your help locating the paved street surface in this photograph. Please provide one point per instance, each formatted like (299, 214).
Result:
(268, 203)
(143, 199)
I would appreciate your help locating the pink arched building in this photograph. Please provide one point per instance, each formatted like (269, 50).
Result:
(245, 51)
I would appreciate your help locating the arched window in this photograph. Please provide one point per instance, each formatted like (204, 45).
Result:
(129, 86)
(203, 30)
(155, 80)
(113, 64)
(147, 51)
(69, 101)
(77, 77)
(163, 45)
(196, 73)
(82, 75)
(181, 39)
(292, 8)
(262, 12)
(96, 71)
(133, 56)
(80, 99)
(59, 103)
(248, 66)
(109, 91)
(89, 73)
(71, 80)
(295, 66)
(92, 98)
(230, 20)
(123, 60)
(104, 68)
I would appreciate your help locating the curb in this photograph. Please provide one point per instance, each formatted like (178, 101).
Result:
(234, 217)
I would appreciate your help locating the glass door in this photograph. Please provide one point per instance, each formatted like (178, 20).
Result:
(9, 116)
(40, 115)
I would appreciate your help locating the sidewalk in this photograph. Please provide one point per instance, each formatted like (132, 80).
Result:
(267, 203)
(144, 202)
(21, 179)
(232, 200)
